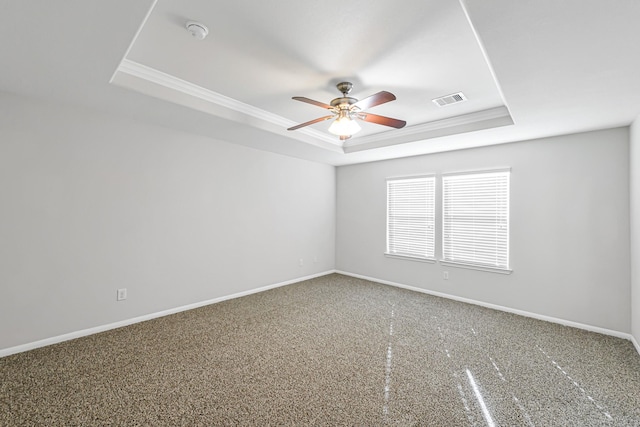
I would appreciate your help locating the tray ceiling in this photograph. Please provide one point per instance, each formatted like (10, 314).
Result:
(258, 55)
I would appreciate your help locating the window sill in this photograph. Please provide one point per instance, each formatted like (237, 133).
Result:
(475, 267)
(410, 258)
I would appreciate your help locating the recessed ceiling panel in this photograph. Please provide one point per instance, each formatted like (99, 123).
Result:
(258, 55)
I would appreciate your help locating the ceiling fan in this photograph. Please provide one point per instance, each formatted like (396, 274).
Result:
(346, 110)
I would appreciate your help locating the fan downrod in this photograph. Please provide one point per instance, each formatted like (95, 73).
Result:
(345, 101)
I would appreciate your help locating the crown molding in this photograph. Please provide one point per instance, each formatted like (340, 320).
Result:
(461, 120)
(479, 120)
(148, 80)
(168, 81)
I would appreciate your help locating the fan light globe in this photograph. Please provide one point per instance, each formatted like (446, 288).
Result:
(344, 126)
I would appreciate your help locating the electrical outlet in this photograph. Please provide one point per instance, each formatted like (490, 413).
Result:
(445, 275)
(122, 294)
(301, 262)
(315, 259)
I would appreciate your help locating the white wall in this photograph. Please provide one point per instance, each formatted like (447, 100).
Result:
(91, 203)
(635, 230)
(569, 227)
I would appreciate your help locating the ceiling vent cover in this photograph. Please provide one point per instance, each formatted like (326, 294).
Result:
(454, 98)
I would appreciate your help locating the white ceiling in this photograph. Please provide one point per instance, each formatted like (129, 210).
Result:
(528, 68)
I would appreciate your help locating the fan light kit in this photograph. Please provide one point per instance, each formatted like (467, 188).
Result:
(344, 125)
(345, 110)
(198, 30)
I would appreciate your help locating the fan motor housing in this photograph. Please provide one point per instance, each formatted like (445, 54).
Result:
(344, 101)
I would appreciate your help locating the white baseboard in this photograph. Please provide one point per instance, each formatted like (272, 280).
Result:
(90, 331)
(564, 322)
(635, 343)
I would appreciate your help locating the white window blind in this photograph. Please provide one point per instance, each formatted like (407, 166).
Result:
(476, 219)
(411, 217)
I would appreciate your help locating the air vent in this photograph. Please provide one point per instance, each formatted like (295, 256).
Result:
(450, 99)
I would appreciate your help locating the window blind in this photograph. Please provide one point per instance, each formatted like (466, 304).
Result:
(411, 217)
(476, 219)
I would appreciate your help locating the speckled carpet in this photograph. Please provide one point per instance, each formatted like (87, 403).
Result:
(329, 351)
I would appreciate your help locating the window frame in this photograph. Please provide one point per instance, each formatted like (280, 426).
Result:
(503, 269)
(430, 216)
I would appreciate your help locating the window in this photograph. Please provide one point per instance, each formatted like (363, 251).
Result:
(411, 217)
(476, 219)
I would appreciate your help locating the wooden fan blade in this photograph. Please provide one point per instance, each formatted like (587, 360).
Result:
(382, 120)
(373, 100)
(321, 119)
(311, 101)
(344, 137)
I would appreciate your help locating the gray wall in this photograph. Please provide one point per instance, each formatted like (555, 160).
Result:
(91, 203)
(569, 227)
(635, 230)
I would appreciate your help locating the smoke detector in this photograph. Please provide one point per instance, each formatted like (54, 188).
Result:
(197, 29)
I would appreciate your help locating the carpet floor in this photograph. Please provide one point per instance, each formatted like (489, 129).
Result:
(329, 351)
